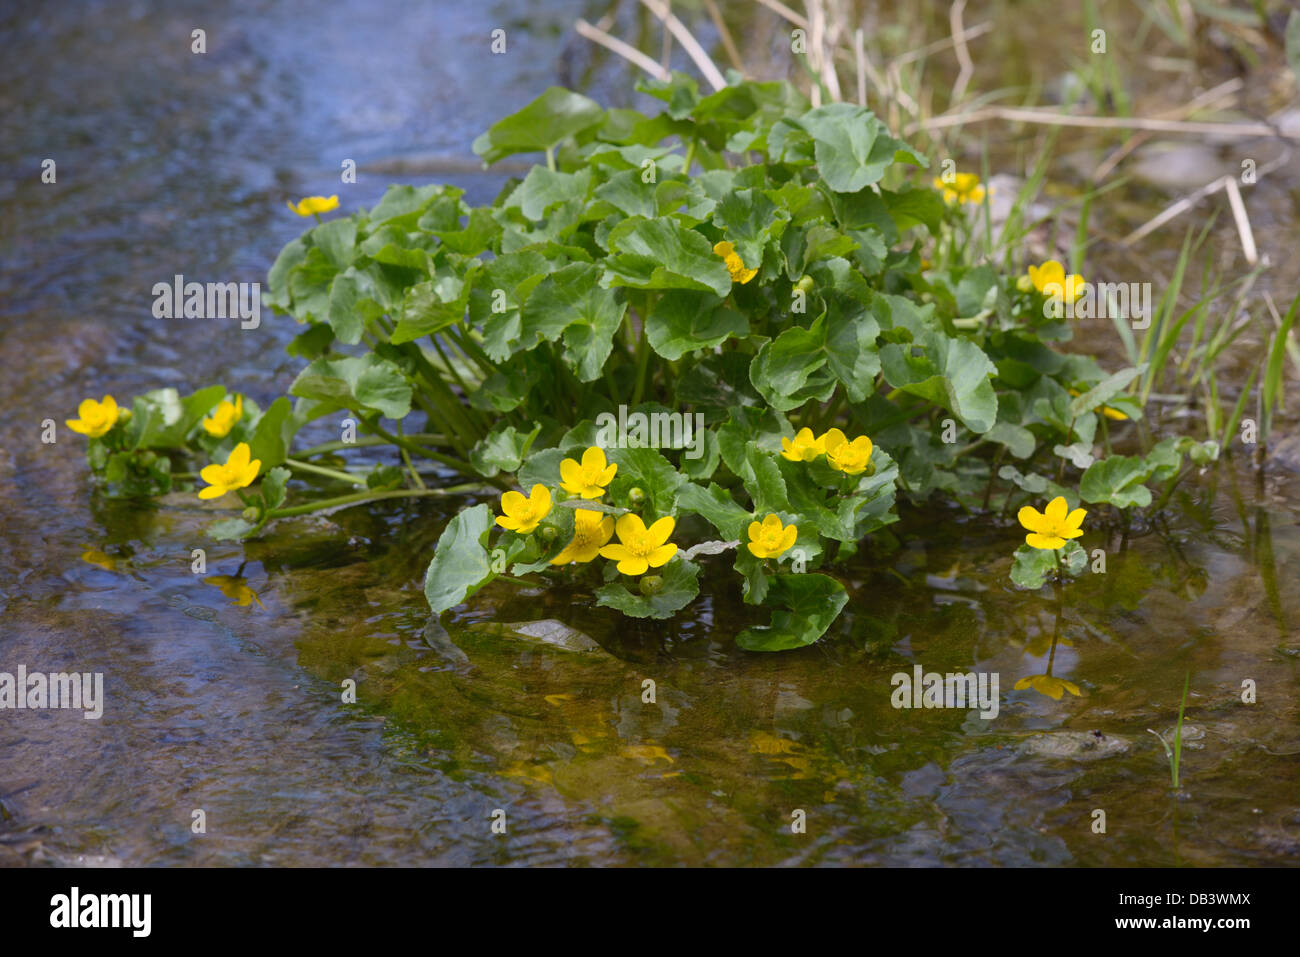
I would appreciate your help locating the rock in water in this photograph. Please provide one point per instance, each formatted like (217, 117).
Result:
(1074, 745)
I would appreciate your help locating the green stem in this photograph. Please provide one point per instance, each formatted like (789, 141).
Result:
(406, 457)
(642, 360)
(431, 438)
(458, 464)
(327, 473)
(357, 497)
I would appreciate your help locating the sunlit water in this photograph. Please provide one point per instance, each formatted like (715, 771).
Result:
(229, 703)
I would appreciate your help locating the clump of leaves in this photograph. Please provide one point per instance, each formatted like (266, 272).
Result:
(741, 256)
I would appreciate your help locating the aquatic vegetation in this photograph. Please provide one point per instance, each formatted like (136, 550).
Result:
(735, 265)
(792, 336)
(963, 188)
(224, 417)
(1050, 279)
(1174, 752)
(238, 471)
(638, 547)
(1050, 528)
(522, 514)
(770, 539)
(588, 478)
(1049, 685)
(315, 205)
(94, 419)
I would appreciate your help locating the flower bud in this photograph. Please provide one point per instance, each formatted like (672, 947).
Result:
(636, 495)
(805, 283)
(250, 514)
(548, 533)
(651, 585)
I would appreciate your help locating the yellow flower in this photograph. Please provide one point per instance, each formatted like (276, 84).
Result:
(523, 514)
(964, 188)
(590, 478)
(1050, 279)
(591, 530)
(236, 589)
(96, 418)
(221, 421)
(1107, 411)
(314, 205)
(639, 547)
(1049, 685)
(735, 265)
(95, 556)
(851, 458)
(1050, 528)
(238, 472)
(769, 538)
(804, 448)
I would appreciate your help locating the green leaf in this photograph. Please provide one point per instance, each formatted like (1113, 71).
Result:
(461, 564)
(756, 579)
(273, 433)
(685, 320)
(312, 344)
(1073, 558)
(277, 280)
(1117, 481)
(749, 220)
(663, 254)
(1032, 566)
(716, 506)
(501, 450)
(360, 383)
(161, 419)
(852, 147)
(914, 207)
(431, 306)
(499, 294)
(1019, 441)
(543, 124)
(785, 370)
(810, 603)
(309, 286)
(952, 373)
(648, 470)
(351, 305)
(1103, 391)
(337, 239)
(572, 303)
(680, 586)
(976, 290)
(476, 236)
(401, 203)
(229, 529)
(273, 492)
(543, 188)
(629, 194)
